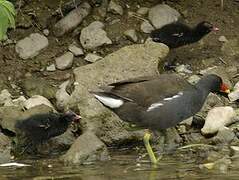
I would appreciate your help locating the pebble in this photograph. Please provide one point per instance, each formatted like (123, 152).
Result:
(91, 57)
(77, 51)
(222, 39)
(143, 11)
(51, 68)
(115, 8)
(131, 35)
(65, 61)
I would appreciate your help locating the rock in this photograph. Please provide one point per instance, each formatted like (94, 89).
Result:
(220, 71)
(193, 79)
(131, 35)
(77, 51)
(92, 57)
(162, 14)
(5, 97)
(115, 8)
(62, 97)
(5, 149)
(87, 148)
(46, 32)
(37, 100)
(11, 114)
(65, 61)
(36, 86)
(71, 20)
(51, 68)
(135, 60)
(94, 36)
(234, 95)
(31, 46)
(142, 11)
(16, 102)
(146, 27)
(224, 136)
(222, 39)
(217, 119)
(230, 47)
(183, 69)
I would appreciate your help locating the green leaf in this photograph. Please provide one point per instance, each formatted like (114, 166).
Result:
(7, 17)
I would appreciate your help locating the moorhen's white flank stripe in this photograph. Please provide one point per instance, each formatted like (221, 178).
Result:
(153, 106)
(109, 101)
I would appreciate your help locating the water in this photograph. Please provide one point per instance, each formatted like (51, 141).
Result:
(120, 167)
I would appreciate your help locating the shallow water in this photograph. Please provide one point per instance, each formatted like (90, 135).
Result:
(121, 166)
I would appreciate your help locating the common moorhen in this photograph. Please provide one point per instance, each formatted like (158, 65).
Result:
(41, 127)
(158, 102)
(178, 34)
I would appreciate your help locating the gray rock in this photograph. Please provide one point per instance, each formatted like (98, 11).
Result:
(91, 57)
(224, 136)
(65, 61)
(77, 51)
(183, 69)
(222, 39)
(94, 36)
(31, 46)
(71, 20)
(143, 10)
(5, 97)
(115, 8)
(16, 102)
(87, 148)
(36, 86)
(131, 35)
(11, 114)
(37, 100)
(135, 60)
(162, 14)
(146, 27)
(5, 149)
(217, 119)
(62, 97)
(51, 68)
(231, 47)
(234, 95)
(46, 32)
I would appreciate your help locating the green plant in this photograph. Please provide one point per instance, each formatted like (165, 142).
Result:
(7, 17)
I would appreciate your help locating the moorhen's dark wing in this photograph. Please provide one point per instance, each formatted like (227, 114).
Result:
(144, 93)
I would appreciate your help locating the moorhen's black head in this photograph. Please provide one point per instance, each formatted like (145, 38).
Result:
(205, 27)
(70, 117)
(213, 83)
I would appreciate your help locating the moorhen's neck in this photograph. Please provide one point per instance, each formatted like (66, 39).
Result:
(198, 32)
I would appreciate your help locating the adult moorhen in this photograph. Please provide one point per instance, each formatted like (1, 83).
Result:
(158, 102)
(178, 34)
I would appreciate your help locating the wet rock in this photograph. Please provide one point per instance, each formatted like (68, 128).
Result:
(131, 35)
(5, 149)
(37, 100)
(217, 119)
(87, 148)
(221, 165)
(51, 68)
(31, 46)
(36, 86)
(220, 71)
(143, 10)
(224, 136)
(231, 47)
(94, 36)
(115, 8)
(222, 39)
(146, 27)
(135, 60)
(62, 97)
(5, 97)
(162, 14)
(91, 57)
(77, 51)
(65, 61)
(71, 20)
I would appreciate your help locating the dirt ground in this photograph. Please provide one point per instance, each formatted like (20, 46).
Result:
(37, 15)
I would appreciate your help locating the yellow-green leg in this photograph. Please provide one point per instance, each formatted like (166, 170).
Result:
(148, 147)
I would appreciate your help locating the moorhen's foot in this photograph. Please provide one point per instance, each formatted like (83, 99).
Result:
(169, 66)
